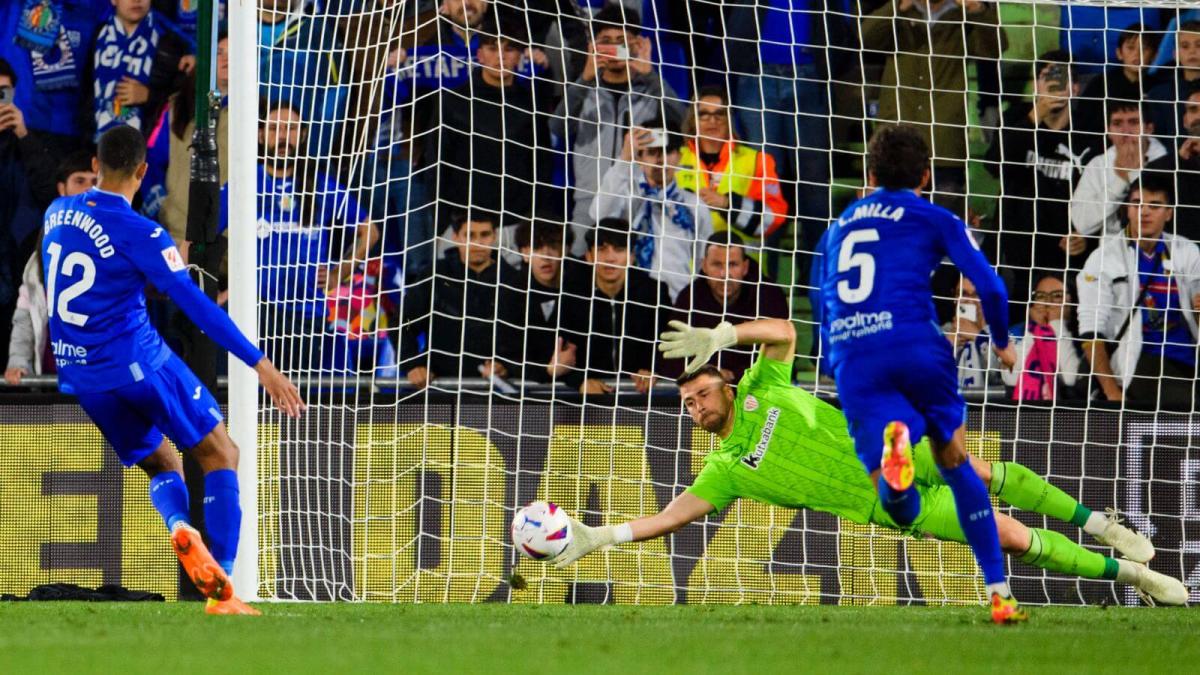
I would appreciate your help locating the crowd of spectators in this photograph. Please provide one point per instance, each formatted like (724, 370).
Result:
(527, 191)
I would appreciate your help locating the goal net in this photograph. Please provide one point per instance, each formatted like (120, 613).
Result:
(460, 227)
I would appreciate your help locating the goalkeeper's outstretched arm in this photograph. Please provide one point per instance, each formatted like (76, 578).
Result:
(682, 510)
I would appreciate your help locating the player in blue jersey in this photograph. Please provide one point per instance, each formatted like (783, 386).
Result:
(895, 370)
(98, 255)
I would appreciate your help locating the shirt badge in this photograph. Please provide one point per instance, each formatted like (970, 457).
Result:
(751, 404)
(287, 202)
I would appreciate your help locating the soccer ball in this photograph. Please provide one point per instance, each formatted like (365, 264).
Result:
(541, 530)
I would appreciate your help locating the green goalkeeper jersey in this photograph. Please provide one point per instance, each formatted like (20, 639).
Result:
(790, 449)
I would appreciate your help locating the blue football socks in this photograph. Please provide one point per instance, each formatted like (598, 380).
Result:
(169, 495)
(977, 520)
(222, 515)
(903, 506)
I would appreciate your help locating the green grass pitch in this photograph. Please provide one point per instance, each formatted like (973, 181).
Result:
(329, 638)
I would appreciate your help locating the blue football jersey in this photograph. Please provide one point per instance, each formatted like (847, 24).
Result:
(878, 258)
(97, 255)
(289, 251)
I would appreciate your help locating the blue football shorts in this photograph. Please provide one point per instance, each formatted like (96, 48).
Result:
(915, 383)
(170, 401)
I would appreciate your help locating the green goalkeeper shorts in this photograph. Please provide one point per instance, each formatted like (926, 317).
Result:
(939, 516)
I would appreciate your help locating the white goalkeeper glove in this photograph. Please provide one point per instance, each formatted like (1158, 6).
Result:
(586, 539)
(697, 343)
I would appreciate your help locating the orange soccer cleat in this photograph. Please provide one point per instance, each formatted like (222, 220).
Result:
(1006, 611)
(897, 464)
(232, 606)
(199, 564)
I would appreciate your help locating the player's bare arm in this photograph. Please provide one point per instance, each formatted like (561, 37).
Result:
(682, 510)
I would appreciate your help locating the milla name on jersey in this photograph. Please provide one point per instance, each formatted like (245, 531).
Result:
(876, 210)
(751, 460)
(84, 222)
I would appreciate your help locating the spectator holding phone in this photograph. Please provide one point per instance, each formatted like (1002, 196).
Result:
(26, 189)
(1039, 158)
(670, 224)
(618, 90)
(969, 335)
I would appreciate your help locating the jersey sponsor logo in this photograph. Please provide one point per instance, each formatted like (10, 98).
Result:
(859, 324)
(753, 459)
(174, 259)
(67, 354)
(751, 404)
(875, 210)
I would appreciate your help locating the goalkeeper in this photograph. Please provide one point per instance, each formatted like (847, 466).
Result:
(783, 446)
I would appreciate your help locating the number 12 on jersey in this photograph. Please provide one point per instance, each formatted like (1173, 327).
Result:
(59, 304)
(863, 261)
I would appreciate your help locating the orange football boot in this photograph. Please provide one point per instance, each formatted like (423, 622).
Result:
(233, 605)
(1005, 610)
(897, 464)
(199, 564)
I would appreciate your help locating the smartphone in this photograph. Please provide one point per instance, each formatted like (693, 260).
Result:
(613, 51)
(968, 311)
(6, 95)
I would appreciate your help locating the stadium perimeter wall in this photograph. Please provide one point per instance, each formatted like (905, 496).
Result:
(414, 505)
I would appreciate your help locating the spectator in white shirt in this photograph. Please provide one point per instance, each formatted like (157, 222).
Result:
(670, 224)
(1107, 177)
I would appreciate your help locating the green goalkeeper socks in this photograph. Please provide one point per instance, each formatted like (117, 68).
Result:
(1017, 486)
(1054, 552)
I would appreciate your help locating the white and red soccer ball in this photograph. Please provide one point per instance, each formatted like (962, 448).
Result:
(541, 530)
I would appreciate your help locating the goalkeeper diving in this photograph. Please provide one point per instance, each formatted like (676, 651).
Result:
(783, 446)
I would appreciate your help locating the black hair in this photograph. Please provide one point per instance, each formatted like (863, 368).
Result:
(503, 29)
(121, 150)
(1131, 32)
(723, 238)
(76, 162)
(1123, 105)
(540, 233)
(1192, 26)
(7, 69)
(460, 217)
(616, 16)
(715, 91)
(1161, 182)
(898, 156)
(706, 369)
(612, 232)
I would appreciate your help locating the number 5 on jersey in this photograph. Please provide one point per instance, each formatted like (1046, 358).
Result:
(60, 303)
(865, 262)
